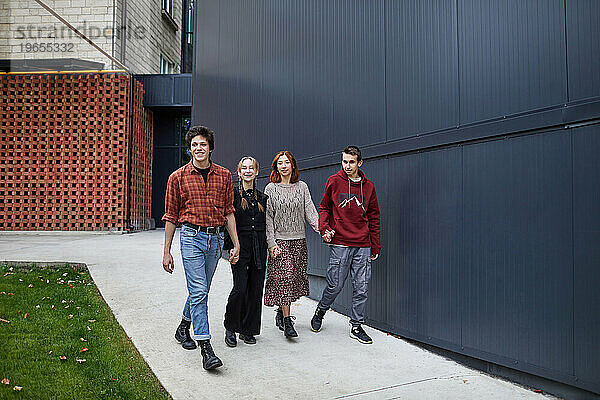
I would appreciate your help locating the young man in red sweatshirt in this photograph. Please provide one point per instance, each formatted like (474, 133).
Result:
(349, 222)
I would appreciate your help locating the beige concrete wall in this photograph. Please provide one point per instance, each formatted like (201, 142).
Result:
(30, 32)
(27, 31)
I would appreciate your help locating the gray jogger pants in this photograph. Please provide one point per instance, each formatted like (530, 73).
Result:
(344, 260)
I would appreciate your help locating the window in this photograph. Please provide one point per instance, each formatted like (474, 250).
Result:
(166, 66)
(167, 5)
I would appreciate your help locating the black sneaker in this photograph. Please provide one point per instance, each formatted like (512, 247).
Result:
(209, 359)
(317, 320)
(182, 335)
(358, 333)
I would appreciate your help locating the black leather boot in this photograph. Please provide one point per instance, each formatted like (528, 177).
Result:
(279, 319)
(230, 339)
(248, 339)
(288, 326)
(317, 320)
(182, 335)
(209, 359)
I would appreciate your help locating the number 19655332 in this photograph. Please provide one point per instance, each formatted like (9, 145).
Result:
(47, 47)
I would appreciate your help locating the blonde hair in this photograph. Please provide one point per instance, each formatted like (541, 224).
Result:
(243, 201)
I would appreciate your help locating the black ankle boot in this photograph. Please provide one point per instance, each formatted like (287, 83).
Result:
(317, 320)
(209, 359)
(288, 326)
(230, 339)
(182, 335)
(279, 319)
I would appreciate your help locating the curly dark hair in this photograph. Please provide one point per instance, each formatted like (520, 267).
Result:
(202, 131)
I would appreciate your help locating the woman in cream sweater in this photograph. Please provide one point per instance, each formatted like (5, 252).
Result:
(289, 205)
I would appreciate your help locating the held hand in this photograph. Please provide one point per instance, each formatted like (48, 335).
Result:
(234, 254)
(168, 263)
(373, 257)
(274, 251)
(328, 235)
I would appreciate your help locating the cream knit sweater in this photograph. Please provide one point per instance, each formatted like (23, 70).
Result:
(288, 206)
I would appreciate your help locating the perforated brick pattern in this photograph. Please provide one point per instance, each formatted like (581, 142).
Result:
(64, 153)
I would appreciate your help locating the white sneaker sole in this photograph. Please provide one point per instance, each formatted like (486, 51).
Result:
(360, 340)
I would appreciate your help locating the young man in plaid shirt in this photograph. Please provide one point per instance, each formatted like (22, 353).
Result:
(200, 198)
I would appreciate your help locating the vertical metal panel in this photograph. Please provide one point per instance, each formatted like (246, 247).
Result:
(421, 67)
(586, 230)
(512, 57)
(318, 256)
(517, 279)
(425, 209)
(583, 42)
(477, 239)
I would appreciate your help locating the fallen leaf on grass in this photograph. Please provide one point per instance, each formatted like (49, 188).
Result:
(80, 360)
(65, 274)
(62, 358)
(91, 320)
(66, 306)
(37, 306)
(18, 388)
(89, 329)
(71, 286)
(6, 381)
(5, 321)
(10, 294)
(50, 352)
(70, 316)
(52, 306)
(82, 339)
(25, 316)
(83, 350)
(30, 285)
(9, 273)
(20, 280)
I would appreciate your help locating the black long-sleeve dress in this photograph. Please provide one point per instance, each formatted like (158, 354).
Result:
(244, 306)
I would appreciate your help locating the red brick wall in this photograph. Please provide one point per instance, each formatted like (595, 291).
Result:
(64, 152)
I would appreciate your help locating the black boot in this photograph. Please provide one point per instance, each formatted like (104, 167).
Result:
(248, 339)
(279, 319)
(230, 339)
(209, 359)
(288, 326)
(182, 335)
(317, 320)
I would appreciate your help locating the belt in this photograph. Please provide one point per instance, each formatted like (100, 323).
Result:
(206, 229)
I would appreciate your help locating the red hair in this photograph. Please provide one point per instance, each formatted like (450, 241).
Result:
(276, 177)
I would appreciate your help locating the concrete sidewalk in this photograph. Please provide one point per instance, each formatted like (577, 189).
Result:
(147, 302)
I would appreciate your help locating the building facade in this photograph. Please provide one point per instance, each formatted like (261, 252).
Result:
(480, 125)
(144, 35)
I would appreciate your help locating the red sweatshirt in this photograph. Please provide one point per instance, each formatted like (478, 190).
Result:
(351, 209)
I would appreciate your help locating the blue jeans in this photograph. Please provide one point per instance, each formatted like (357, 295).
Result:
(343, 261)
(200, 253)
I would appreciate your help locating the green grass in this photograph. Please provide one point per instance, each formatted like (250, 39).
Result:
(50, 309)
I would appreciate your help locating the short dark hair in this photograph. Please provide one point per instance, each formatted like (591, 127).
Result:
(353, 151)
(200, 131)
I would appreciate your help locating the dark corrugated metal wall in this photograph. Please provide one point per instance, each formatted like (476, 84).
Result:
(477, 121)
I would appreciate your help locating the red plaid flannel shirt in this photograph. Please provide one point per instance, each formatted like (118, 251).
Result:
(189, 199)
